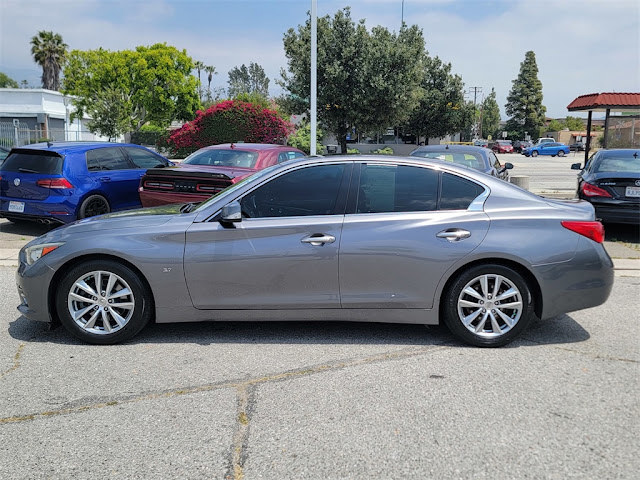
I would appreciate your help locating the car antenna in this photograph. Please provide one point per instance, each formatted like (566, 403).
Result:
(49, 144)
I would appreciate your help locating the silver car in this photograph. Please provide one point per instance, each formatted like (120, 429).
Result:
(367, 239)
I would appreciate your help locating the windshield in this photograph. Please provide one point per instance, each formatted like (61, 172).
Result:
(223, 158)
(467, 159)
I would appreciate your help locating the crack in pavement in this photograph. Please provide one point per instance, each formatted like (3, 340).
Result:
(16, 361)
(236, 384)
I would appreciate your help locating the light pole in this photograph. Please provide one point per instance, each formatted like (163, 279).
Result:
(314, 73)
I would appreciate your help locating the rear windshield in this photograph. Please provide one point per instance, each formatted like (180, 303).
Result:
(625, 164)
(223, 158)
(45, 163)
(470, 160)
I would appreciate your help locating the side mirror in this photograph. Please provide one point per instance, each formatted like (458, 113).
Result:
(231, 213)
(508, 165)
(576, 166)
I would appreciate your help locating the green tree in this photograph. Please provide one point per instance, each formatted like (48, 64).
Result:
(7, 82)
(251, 80)
(199, 67)
(123, 90)
(49, 51)
(301, 138)
(367, 80)
(211, 71)
(442, 109)
(575, 124)
(524, 102)
(555, 125)
(490, 115)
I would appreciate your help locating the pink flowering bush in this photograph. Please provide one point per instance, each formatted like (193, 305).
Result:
(229, 122)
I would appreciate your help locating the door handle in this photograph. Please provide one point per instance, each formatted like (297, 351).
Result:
(454, 234)
(318, 239)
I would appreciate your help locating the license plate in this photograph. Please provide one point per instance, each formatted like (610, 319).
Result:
(632, 192)
(16, 207)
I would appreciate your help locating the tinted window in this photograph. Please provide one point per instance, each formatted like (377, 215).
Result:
(143, 158)
(284, 156)
(306, 191)
(223, 158)
(396, 188)
(457, 192)
(44, 163)
(107, 159)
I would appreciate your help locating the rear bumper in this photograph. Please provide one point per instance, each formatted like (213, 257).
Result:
(585, 281)
(155, 199)
(621, 213)
(50, 209)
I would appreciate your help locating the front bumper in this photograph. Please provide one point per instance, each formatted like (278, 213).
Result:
(33, 283)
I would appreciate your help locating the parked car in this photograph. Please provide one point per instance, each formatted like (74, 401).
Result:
(577, 147)
(478, 158)
(501, 146)
(63, 181)
(481, 143)
(210, 170)
(520, 145)
(542, 140)
(4, 151)
(548, 148)
(355, 238)
(611, 182)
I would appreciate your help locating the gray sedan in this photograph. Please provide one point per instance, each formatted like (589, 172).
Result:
(366, 239)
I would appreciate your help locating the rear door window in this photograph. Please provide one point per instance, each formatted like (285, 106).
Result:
(107, 159)
(33, 161)
(457, 192)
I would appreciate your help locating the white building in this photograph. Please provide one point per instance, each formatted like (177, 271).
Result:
(29, 115)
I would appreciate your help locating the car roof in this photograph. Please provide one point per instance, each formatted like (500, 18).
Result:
(452, 148)
(73, 147)
(248, 146)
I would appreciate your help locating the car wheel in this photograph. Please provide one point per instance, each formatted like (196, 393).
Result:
(488, 306)
(561, 153)
(534, 154)
(93, 205)
(103, 302)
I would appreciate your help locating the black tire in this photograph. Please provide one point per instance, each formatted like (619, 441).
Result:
(561, 153)
(93, 205)
(459, 306)
(534, 153)
(109, 316)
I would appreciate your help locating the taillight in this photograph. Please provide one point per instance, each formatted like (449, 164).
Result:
(590, 190)
(592, 230)
(207, 188)
(54, 183)
(159, 185)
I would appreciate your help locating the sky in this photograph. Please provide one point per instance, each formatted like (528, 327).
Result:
(581, 46)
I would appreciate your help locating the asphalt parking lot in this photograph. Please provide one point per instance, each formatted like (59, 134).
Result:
(325, 400)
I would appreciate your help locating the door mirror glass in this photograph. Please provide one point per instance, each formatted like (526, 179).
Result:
(231, 213)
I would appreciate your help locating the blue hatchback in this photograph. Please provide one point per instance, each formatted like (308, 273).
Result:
(64, 181)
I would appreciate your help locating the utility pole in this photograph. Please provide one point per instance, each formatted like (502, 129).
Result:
(314, 77)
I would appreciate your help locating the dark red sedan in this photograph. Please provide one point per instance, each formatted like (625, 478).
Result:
(210, 170)
(502, 146)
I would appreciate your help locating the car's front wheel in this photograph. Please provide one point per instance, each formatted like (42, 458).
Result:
(488, 305)
(534, 153)
(103, 302)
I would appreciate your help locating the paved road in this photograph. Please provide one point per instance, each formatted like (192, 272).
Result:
(322, 401)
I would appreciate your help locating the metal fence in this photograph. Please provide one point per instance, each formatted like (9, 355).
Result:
(18, 135)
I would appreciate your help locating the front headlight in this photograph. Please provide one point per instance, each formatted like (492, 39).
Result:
(35, 252)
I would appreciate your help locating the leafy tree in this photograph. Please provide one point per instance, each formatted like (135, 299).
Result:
(524, 102)
(442, 109)
(229, 121)
(367, 80)
(49, 51)
(555, 125)
(490, 115)
(575, 124)
(7, 82)
(211, 71)
(123, 90)
(250, 80)
(302, 138)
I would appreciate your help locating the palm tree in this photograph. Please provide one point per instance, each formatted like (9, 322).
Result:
(211, 70)
(199, 66)
(49, 51)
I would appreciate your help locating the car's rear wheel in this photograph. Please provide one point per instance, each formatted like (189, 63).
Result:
(561, 153)
(534, 154)
(103, 302)
(93, 205)
(488, 305)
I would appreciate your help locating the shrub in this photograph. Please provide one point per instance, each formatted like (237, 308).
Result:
(228, 122)
(302, 139)
(353, 151)
(383, 151)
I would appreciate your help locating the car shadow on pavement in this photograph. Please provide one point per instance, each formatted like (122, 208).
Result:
(32, 229)
(559, 330)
